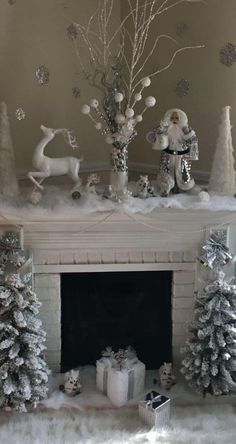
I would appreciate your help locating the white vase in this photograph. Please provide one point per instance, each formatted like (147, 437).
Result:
(119, 182)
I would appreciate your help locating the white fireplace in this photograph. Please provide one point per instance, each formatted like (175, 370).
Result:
(166, 240)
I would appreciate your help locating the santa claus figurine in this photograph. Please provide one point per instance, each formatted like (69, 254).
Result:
(179, 146)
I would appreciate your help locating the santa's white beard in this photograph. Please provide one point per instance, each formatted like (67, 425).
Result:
(175, 134)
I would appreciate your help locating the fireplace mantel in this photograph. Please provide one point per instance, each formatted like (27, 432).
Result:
(166, 239)
(162, 230)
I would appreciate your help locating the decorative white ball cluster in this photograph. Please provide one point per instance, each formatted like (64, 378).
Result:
(109, 139)
(129, 113)
(120, 118)
(94, 103)
(146, 82)
(139, 118)
(138, 97)
(98, 126)
(85, 109)
(119, 97)
(150, 101)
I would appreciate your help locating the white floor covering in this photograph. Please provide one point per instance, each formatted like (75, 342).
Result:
(90, 418)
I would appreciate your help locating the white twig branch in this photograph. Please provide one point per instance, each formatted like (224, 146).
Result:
(178, 51)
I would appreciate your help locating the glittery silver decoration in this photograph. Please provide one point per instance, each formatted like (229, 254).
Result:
(182, 88)
(10, 240)
(20, 114)
(228, 54)
(72, 32)
(42, 74)
(216, 253)
(182, 29)
(76, 92)
(70, 139)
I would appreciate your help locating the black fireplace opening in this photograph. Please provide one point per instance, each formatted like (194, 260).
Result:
(116, 309)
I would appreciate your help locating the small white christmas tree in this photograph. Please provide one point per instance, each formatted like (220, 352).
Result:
(209, 364)
(8, 180)
(222, 179)
(23, 370)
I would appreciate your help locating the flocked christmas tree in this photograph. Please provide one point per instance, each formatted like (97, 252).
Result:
(23, 370)
(209, 364)
(222, 178)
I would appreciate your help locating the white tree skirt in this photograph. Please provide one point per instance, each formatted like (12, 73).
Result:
(89, 418)
(57, 203)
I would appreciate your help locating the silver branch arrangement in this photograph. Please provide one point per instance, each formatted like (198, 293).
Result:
(118, 63)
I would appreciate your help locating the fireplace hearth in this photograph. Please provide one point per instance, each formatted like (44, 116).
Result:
(116, 309)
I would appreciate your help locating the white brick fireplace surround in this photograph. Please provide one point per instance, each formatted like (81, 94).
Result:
(163, 240)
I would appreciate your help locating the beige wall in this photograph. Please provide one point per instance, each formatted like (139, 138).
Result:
(33, 32)
(213, 85)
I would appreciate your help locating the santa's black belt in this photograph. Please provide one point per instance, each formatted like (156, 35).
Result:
(178, 153)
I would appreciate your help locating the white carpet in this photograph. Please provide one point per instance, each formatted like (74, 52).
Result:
(189, 425)
(89, 418)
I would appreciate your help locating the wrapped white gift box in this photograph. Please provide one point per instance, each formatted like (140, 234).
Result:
(102, 367)
(155, 410)
(125, 383)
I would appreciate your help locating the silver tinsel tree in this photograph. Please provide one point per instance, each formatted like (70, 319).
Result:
(209, 364)
(23, 370)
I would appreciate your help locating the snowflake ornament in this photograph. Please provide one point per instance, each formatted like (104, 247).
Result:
(20, 114)
(182, 88)
(228, 54)
(42, 75)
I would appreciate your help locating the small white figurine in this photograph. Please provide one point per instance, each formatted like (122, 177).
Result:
(145, 189)
(72, 386)
(92, 180)
(166, 377)
(48, 166)
(178, 144)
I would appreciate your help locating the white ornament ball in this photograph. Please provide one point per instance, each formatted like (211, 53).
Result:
(94, 103)
(129, 112)
(120, 118)
(85, 109)
(109, 139)
(139, 118)
(204, 196)
(150, 101)
(98, 126)
(146, 82)
(138, 97)
(119, 97)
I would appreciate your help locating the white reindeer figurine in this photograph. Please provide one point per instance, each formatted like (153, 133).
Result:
(48, 166)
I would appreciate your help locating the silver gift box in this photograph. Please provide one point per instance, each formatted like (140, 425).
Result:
(155, 410)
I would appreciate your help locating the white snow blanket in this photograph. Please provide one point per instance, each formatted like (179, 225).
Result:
(58, 204)
(125, 384)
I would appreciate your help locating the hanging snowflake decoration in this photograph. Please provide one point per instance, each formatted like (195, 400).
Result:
(71, 139)
(42, 74)
(182, 88)
(76, 92)
(72, 32)
(228, 54)
(20, 114)
(181, 29)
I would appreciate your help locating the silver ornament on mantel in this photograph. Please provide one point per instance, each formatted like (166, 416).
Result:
(182, 88)
(228, 54)
(20, 114)
(72, 32)
(76, 92)
(42, 75)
